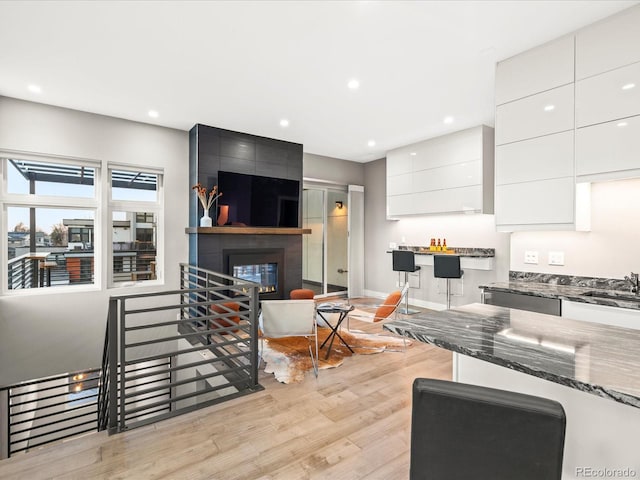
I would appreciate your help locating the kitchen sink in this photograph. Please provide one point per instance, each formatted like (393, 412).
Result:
(613, 296)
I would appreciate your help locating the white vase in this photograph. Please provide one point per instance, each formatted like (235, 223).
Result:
(206, 221)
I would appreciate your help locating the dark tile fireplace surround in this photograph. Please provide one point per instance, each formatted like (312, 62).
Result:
(213, 149)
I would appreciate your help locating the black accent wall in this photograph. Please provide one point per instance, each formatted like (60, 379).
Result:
(212, 149)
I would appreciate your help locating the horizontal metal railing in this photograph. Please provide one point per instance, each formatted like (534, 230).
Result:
(77, 267)
(50, 409)
(207, 351)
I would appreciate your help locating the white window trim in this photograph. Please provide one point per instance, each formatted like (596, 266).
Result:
(30, 200)
(103, 207)
(156, 207)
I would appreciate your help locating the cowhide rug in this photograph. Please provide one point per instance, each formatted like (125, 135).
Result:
(289, 360)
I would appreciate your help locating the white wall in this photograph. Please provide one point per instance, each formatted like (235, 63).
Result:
(459, 230)
(52, 331)
(611, 249)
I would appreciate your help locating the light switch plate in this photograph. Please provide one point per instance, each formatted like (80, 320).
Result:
(556, 258)
(531, 256)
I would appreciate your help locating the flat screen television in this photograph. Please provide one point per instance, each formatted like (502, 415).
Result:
(257, 201)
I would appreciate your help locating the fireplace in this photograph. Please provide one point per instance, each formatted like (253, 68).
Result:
(263, 266)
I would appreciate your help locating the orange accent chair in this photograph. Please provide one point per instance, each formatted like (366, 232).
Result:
(301, 294)
(228, 320)
(388, 309)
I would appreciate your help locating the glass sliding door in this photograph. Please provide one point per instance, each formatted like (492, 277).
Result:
(313, 244)
(325, 250)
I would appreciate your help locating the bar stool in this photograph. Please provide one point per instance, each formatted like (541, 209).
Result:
(447, 266)
(404, 261)
(46, 267)
(461, 431)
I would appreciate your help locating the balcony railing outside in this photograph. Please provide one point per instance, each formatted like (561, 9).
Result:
(76, 267)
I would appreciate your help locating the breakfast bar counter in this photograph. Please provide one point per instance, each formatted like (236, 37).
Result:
(593, 370)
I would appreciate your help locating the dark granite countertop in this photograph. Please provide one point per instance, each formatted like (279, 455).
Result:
(461, 251)
(595, 296)
(591, 357)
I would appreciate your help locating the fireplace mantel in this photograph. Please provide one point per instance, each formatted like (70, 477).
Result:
(248, 230)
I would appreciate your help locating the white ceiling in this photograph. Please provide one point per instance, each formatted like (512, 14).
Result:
(246, 65)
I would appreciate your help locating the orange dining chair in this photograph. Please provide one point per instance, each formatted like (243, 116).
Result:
(228, 316)
(301, 294)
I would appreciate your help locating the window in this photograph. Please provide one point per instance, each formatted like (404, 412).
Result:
(135, 211)
(58, 232)
(49, 210)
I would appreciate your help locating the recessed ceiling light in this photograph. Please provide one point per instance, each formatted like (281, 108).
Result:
(284, 122)
(628, 86)
(622, 124)
(153, 114)
(35, 88)
(448, 120)
(353, 84)
(548, 108)
(413, 154)
(371, 143)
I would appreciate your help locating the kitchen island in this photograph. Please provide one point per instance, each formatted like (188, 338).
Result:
(592, 369)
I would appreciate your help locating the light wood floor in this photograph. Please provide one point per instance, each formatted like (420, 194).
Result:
(353, 422)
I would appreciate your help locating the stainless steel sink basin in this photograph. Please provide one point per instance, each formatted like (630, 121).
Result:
(613, 296)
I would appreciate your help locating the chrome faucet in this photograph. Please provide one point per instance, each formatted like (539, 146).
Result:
(634, 280)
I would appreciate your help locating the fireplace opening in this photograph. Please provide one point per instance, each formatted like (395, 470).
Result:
(266, 274)
(262, 266)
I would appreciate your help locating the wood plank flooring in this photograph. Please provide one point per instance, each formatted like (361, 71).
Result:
(353, 422)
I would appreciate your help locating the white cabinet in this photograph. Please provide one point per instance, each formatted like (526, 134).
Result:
(535, 162)
(537, 204)
(541, 114)
(535, 187)
(608, 96)
(537, 121)
(448, 174)
(608, 44)
(619, 317)
(608, 151)
(540, 158)
(536, 70)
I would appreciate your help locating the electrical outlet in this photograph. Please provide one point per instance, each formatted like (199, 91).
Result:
(531, 256)
(556, 258)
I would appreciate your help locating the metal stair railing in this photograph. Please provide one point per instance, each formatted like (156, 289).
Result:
(168, 353)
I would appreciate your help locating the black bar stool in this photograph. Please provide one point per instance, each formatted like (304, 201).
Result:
(404, 261)
(447, 266)
(461, 432)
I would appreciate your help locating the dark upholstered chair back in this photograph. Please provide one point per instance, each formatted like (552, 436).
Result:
(462, 432)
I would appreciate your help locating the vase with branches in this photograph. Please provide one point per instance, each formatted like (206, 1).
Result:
(206, 200)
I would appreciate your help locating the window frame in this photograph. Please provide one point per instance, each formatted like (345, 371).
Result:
(156, 207)
(101, 204)
(30, 200)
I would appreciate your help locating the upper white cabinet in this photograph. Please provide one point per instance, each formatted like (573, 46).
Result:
(608, 96)
(535, 161)
(551, 157)
(548, 112)
(448, 174)
(536, 70)
(608, 151)
(611, 43)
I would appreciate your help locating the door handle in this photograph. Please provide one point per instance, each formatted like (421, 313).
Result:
(341, 270)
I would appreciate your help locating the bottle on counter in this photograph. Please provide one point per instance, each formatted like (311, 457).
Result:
(444, 244)
(432, 245)
(439, 246)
